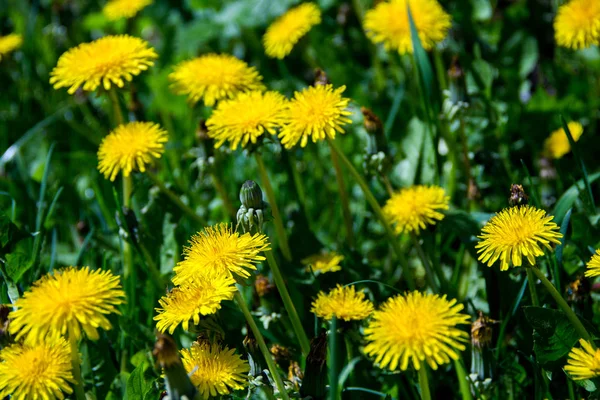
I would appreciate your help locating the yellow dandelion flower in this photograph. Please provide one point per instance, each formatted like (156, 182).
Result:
(283, 34)
(343, 302)
(415, 207)
(317, 112)
(69, 301)
(36, 371)
(557, 144)
(323, 263)
(593, 266)
(245, 118)
(583, 363)
(214, 77)
(515, 233)
(202, 296)
(416, 328)
(388, 23)
(215, 370)
(577, 24)
(117, 9)
(10, 43)
(130, 146)
(221, 250)
(108, 61)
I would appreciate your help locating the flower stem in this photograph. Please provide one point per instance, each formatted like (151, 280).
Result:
(127, 255)
(463, 383)
(176, 200)
(231, 212)
(279, 228)
(424, 383)
(117, 113)
(262, 345)
(288, 304)
(428, 270)
(76, 367)
(533, 292)
(333, 349)
(343, 197)
(410, 280)
(563, 305)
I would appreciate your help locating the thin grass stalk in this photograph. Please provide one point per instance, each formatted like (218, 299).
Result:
(424, 383)
(343, 197)
(176, 200)
(428, 270)
(410, 280)
(333, 349)
(262, 345)
(76, 367)
(220, 188)
(127, 255)
(117, 113)
(463, 383)
(298, 183)
(532, 290)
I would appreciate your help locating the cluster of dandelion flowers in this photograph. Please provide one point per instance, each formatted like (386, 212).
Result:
(245, 118)
(215, 371)
(214, 77)
(36, 371)
(202, 296)
(317, 112)
(388, 23)
(287, 30)
(583, 363)
(515, 233)
(73, 301)
(577, 24)
(343, 302)
(593, 266)
(415, 207)
(117, 9)
(218, 249)
(557, 144)
(323, 263)
(108, 61)
(10, 43)
(130, 146)
(416, 328)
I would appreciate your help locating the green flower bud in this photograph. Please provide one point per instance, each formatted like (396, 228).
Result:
(251, 195)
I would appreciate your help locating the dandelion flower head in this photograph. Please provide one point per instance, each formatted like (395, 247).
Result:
(245, 118)
(36, 371)
(343, 302)
(416, 328)
(130, 146)
(10, 43)
(108, 61)
(317, 112)
(415, 207)
(117, 9)
(388, 23)
(515, 233)
(214, 77)
(322, 263)
(593, 266)
(215, 370)
(577, 24)
(283, 34)
(583, 363)
(73, 301)
(557, 144)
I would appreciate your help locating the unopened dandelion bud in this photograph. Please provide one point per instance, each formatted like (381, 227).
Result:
(254, 211)
(251, 195)
(517, 196)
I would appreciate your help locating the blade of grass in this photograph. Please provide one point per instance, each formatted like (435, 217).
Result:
(580, 162)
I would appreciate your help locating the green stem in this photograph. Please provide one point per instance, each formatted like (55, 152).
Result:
(279, 228)
(344, 198)
(76, 367)
(298, 183)
(428, 270)
(424, 383)
(563, 305)
(127, 255)
(154, 271)
(288, 304)
(440, 70)
(117, 113)
(176, 200)
(333, 348)
(410, 280)
(531, 280)
(463, 383)
(231, 211)
(262, 345)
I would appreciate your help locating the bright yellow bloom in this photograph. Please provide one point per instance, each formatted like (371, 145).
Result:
(583, 363)
(108, 61)
(557, 144)
(67, 302)
(130, 146)
(10, 43)
(202, 296)
(215, 371)
(415, 207)
(593, 266)
(245, 118)
(388, 23)
(220, 250)
(36, 371)
(214, 77)
(287, 30)
(577, 24)
(323, 263)
(117, 9)
(317, 112)
(343, 302)
(515, 233)
(416, 328)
